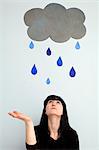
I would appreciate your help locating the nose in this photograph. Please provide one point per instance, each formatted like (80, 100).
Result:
(53, 103)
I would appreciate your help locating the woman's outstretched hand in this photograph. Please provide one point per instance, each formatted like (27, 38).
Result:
(21, 116)
(30, 132)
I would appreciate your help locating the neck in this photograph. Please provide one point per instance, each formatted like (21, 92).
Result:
(53, 125)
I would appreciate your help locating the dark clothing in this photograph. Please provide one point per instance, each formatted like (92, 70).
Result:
(68, 140)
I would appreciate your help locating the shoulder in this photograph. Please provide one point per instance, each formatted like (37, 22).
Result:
(37, 128)
(70, 132)
(70, 135)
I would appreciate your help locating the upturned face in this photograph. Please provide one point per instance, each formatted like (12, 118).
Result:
(54, 107)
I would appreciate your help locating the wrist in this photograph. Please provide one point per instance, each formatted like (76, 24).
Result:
(28, 122)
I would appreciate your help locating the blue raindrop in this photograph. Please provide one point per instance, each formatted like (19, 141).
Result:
(34, 70)
(72, 72)
(77, 46)
(59, 62)
(48, 81)
(48, 52)
(31, 45)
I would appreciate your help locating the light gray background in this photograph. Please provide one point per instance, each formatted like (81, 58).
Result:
(20, 90)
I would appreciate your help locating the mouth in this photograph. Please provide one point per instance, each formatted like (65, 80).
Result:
(53, 108)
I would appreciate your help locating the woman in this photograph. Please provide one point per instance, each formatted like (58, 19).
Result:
(54, 131)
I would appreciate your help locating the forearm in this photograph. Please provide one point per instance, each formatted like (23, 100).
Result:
(30, 133)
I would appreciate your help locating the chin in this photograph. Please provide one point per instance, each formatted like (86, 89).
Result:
(54, 114)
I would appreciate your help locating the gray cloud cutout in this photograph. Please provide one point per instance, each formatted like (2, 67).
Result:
(56, 22)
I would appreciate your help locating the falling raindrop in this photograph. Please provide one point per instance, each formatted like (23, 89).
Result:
(72, 72)
(31, 45)
(77, 46)
(48, 81)
(48, 52)
(34, 70)
(59, 62)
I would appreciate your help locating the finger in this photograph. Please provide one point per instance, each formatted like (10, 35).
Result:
(17, 113)
(9, 113)
(12, 114)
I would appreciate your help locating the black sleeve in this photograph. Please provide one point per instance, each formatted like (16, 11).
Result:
(32, 147)
(75, 141)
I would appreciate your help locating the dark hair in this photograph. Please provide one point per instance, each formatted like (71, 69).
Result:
(64, 118)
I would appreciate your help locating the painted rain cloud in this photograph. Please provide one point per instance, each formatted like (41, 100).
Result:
(56, 22)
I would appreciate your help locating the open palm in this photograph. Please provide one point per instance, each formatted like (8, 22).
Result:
(19, 115)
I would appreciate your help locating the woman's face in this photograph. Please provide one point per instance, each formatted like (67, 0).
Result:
(54, 107)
